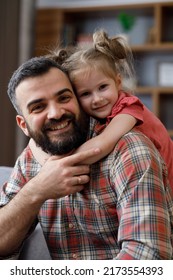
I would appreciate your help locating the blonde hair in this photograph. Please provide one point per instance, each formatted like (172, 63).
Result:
(110, 55)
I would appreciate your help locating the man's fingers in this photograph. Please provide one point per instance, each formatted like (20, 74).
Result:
(81, 156)
(80, 180)
(79, 170)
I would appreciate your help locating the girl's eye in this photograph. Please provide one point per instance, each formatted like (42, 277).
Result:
(84, 94)
(103, 86)
(64, 98)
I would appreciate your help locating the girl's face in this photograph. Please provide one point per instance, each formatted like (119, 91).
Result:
(97, 93)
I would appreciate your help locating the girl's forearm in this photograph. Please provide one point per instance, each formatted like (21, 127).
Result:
(107, 140)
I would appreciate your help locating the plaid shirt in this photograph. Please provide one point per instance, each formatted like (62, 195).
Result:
(126, 211)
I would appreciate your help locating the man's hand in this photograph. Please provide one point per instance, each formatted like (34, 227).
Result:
(61, 177)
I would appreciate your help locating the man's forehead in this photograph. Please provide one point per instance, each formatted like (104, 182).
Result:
(53, 76)
(43, 87)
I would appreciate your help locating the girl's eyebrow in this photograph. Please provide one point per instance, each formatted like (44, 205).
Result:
(60, 92)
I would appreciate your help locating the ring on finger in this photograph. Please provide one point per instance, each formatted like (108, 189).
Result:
(79, 180)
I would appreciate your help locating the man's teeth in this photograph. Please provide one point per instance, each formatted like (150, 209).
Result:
(60, 126)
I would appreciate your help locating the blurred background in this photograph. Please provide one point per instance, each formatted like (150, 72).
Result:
(31, 27)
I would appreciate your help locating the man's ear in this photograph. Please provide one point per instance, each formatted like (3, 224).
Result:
(22, 124)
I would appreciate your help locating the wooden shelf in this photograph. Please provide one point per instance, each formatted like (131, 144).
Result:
(170, 133)
(154, 90)
(153, 47)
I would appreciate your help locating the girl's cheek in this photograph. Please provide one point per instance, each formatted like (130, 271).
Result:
(86, 106)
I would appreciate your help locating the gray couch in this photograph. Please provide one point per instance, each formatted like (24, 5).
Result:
(35, 247)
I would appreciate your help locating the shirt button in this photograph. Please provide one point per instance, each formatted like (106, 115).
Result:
(96, 199)
(74, 256)
(71, 225)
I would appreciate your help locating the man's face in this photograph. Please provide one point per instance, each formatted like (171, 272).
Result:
(51, 113)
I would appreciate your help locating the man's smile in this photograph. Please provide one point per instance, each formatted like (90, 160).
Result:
(58, 126)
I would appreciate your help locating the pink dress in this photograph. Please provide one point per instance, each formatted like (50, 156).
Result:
(148, 124)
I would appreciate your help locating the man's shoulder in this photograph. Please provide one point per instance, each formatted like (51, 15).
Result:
(136, 139)
(133, 144)
(133, 149)
(26, 164)
(26, 155)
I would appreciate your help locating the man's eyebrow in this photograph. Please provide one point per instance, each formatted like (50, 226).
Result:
(60, 92)
(64, 90)
(35, 101)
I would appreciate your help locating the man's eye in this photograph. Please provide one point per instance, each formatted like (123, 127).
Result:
(37, 108)
(64, 98)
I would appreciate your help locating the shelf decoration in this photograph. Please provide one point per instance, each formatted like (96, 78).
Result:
(84, 39)
(165, 74)
(127, 21)
(151, 37)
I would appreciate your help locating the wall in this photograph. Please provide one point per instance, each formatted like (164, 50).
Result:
(9, 14)
(14, 48)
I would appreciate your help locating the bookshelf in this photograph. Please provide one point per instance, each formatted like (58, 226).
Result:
(151, 40)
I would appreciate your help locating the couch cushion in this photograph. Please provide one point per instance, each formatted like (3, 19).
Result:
(4, 174)
(35, 247)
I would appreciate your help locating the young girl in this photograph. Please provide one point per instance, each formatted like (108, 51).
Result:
(98, 73)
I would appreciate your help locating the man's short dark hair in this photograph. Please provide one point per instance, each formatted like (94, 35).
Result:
(33, 67)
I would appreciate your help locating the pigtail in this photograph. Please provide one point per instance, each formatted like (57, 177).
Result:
(112, 47)
(60, 55)
(118, 50)
(102, 43)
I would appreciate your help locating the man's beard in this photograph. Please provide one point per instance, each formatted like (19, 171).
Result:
(65, 142)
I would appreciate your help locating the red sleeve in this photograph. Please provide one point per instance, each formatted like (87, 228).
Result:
(130, 105)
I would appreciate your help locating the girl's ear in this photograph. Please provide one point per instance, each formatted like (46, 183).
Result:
(22, 124)
(118, 81)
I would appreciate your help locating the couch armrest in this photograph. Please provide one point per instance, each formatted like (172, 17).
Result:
(35, 247)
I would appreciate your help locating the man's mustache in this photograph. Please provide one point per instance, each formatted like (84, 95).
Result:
(53, 122)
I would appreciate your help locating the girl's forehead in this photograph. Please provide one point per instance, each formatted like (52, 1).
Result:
(86, 68)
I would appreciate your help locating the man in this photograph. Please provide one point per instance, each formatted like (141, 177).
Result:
(126, 210)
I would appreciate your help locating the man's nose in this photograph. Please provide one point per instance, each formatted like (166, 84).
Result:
(55, 112)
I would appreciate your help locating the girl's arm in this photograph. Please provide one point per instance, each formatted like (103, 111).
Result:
(119, 125)
(105, 142)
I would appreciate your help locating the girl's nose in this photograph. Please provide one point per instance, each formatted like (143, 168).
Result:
(97, 98)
